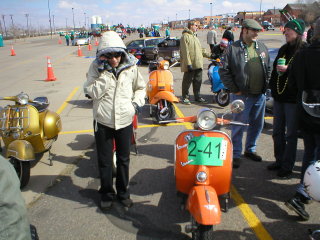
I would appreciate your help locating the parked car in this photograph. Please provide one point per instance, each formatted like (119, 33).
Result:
(167, 49)
(267, 26)
(82, 39)
(138, 47)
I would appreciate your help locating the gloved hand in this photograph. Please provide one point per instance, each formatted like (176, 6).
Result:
(190, 69)
(136, 108)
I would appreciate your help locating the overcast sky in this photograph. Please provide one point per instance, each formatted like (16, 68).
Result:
(132, 12)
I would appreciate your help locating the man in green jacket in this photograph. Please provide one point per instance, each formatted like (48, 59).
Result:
(191, 62)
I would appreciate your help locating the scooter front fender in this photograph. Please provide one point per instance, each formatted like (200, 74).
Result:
(203, 205)
(21, 150)
(169, 96)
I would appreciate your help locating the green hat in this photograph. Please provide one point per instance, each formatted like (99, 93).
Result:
(251, 23)
(297, 25)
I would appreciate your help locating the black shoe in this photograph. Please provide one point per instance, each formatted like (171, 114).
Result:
(284, 173)
(303, 199)
(127, 202)
(253, 156)
(296, 205)
(106, 205)
(201, 100)
(236, 162)
(274, 166)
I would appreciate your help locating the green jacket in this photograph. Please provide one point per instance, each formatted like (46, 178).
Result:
(14, 223)
(191, 52)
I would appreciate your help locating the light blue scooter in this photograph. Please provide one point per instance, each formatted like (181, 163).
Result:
(222, 94)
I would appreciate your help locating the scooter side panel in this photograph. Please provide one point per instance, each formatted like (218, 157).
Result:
(21, 150)
(203, 205)
(216, 84)
(185, 174)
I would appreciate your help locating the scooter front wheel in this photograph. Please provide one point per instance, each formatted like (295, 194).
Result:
(203, 232)
(23, 170)
(222, 98)
(164, 111)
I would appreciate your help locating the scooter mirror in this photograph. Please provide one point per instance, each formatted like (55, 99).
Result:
(237, 106)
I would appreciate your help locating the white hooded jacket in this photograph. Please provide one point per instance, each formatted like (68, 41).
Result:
(114, 90)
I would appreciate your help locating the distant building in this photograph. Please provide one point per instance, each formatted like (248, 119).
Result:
(256, 15)
(307, 11)
(272, 16)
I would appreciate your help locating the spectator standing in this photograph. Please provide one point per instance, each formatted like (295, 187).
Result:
(191, 62)
(67, 37)
(228, 34)
(117, 89)
(285, 101)
(310, 33)
(72, 39)
(245, 72)
(167, 32)
(14, 223)
(305, 69)
(211, 38)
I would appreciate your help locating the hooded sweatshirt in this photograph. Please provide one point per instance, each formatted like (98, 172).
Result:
(113, 90)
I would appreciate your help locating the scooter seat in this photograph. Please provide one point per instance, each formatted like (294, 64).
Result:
(40, 103)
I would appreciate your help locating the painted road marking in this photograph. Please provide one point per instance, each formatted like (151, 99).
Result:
(67, 100)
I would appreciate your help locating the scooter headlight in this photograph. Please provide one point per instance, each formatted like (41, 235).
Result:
(207, 119)
(201, 176)
(22, 98)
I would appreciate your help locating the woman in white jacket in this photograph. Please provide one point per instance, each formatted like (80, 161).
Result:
(117, 90)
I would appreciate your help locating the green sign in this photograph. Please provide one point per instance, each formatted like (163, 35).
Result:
(209, 151)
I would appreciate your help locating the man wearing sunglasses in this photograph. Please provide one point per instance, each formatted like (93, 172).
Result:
(118, 90)
(245, 72)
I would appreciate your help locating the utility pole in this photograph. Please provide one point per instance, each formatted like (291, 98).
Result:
(189, 14)
(11, 16)
(260, 12)
(4, 24)
(50, 19)
(74, 26)
(211, 14)
(27, 16)
(85, 22)
(66, 24)
(54, 27)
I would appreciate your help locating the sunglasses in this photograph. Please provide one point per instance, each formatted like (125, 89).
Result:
(112, 55)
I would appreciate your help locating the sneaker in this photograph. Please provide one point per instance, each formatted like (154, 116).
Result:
(296, 205)
(186, 101)
(201, 100)
(236, 162)
(284, 173)
(105, 205)
(127, 202)
(274, 166)
(253, 156)
(303, 199)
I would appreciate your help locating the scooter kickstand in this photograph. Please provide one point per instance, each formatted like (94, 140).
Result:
(50, 158)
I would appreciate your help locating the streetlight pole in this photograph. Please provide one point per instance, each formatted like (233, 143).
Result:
(74, 26)
(11, 16)
(4, 24)
(66, 24)
(54, 26)
(50, 19)
(260, 11)
(85, 22)
(27, 16)
(189, 14)
(211, 14)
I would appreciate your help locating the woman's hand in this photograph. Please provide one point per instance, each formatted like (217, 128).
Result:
(282, 68)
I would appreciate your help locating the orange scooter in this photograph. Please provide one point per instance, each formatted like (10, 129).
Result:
(160, 90)
(203, 169)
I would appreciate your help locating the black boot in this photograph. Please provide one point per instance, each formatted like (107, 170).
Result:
(297, 205)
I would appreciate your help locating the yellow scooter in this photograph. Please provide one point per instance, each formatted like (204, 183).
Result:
(27, 128)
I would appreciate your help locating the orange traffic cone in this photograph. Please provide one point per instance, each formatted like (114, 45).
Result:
(96, 43)
(60, 41)
(50, 75)
(79, 51)
(13, 53)
(89, 47)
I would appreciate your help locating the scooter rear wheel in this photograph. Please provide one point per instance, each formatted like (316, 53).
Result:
(203, 232)
(166, 115)
(23, 170)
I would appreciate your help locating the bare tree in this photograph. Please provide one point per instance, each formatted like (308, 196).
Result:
(310, 10)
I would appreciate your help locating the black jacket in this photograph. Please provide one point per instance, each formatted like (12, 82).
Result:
(305, 75)
(279, 85)
(233, 73)
(228, 34)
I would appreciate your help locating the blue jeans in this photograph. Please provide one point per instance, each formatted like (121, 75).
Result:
(285, 134)
(310, 156)
(252, 114)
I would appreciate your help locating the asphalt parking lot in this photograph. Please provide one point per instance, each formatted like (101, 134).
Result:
(63, 200)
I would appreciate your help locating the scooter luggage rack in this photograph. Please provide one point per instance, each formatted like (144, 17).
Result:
(7, 120)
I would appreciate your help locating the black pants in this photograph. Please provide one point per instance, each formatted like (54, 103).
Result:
(194, 77)
(211, 48)
(104, 141)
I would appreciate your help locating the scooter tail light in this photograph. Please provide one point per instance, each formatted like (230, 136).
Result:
(202, 176)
